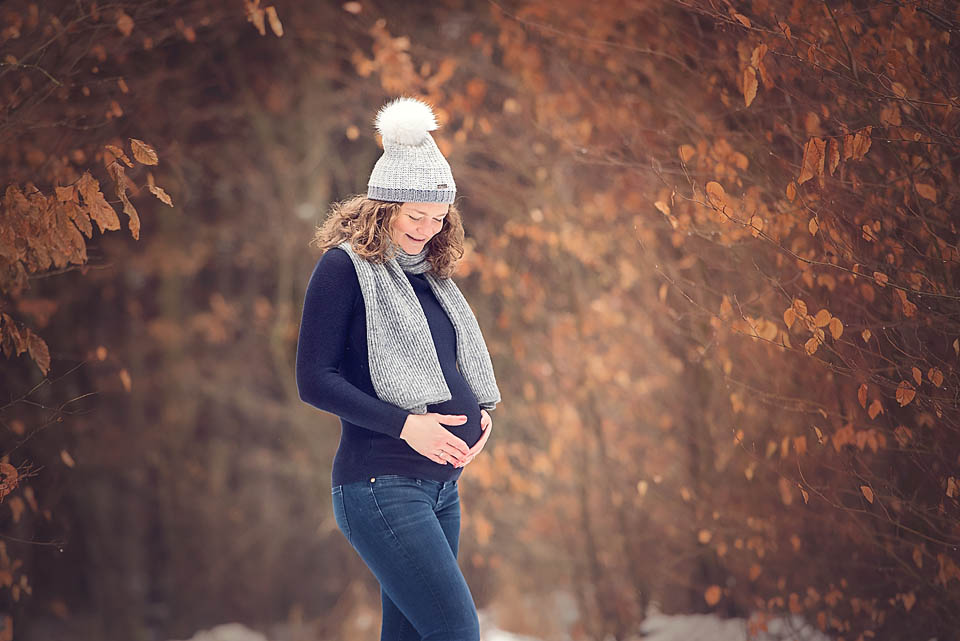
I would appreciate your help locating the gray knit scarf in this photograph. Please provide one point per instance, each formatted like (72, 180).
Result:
(404, 366)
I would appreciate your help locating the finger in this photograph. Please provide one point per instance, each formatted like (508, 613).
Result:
(437, 455)
(452, 456)
(459, 444)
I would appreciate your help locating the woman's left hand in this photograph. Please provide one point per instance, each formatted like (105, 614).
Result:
(486, 423)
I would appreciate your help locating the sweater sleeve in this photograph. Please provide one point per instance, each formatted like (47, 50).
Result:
(324, 327)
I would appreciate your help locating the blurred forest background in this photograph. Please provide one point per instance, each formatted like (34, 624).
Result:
(712, 246)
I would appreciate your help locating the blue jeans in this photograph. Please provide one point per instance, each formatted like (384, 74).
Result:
(407, 531)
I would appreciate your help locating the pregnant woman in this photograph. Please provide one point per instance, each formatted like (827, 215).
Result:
(389, 344)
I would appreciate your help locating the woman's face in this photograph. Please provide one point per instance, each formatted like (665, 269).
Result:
(416, 223)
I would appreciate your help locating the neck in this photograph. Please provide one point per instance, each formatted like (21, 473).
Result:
(412, 263)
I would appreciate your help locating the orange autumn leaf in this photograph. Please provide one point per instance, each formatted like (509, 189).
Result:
(926, 191)
(903, 435)
(800, 307)
(917, 375)
(867, 493)
(124, 23)
(749, 85)
(789, 317)
(255, 15)
(953, 487)
(712, 595)
(8, 470)
(125, 379)
(800, 444)
(935, 375)
(791, 191)
(143, 153)
(909, 308)
(833, 155)
(836, 328)
(905, 393)
(160, 194)
(274, 21)
(716, 194)
(39, 351)
(67, 459)
(856, 145)
(95, 204)
(812, 165)
(822, 318)
(116, 154)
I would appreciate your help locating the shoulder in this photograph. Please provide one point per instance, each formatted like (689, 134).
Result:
(336, 260)
(335, 269)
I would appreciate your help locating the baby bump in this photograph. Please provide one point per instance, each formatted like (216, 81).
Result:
(462, 401)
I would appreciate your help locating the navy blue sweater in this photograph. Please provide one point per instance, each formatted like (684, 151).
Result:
(333, 374)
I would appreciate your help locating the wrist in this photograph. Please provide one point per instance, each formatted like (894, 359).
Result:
(403, 429)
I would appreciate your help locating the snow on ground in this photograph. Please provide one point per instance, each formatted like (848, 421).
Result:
(656, 627)
(709, 627)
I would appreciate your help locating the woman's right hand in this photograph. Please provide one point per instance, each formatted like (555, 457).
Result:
(427, 435)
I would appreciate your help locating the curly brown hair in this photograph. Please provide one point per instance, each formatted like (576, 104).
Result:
(365, 223)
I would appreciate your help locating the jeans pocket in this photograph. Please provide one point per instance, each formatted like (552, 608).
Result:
(339, 510)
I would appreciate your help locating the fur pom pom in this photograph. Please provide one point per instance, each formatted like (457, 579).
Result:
(405, 121)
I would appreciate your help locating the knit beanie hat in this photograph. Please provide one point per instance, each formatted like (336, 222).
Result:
(411, 169)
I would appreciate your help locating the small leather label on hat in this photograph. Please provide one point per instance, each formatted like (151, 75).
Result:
(442, 186)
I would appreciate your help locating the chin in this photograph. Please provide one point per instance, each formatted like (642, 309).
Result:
(412, 247)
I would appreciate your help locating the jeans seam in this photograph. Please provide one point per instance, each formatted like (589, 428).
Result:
(396, 538)
(343, 510)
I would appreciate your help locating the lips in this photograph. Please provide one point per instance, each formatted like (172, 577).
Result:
(419, 240)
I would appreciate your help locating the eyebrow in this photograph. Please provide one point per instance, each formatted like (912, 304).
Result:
(418, 211)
